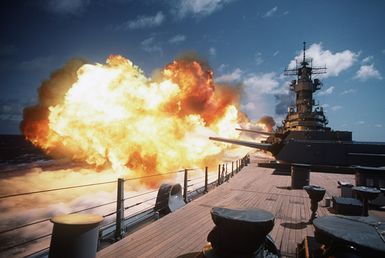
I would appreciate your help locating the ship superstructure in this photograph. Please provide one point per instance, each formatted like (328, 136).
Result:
(306, 115)
(304, 136)
(306, 119)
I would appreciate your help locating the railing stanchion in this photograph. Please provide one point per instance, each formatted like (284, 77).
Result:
(119, 208)
(232, 168)
(185, 185)
(219, 175)
(206, 179)
(223, 174)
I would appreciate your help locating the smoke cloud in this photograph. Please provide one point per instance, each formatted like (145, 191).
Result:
(201, 96)
(282, 102)
(50, 93)
(24, 209)
(268, 121)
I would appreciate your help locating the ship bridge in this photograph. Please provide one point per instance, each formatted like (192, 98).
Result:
(306, 115)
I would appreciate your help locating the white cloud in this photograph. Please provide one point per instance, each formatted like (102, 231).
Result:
(366, 72)
(233, 77)
(325, 105)
(335, 108)
(285, 12)
(248, 107)
(360, 122)
(254, 84)
(328, 91)
(149, 45)
(222, 67)
(383, 51)
(257, 84)
(348, 91)
(276, 53)
(258, 58)
(142, 22)
(212, 51)
(367, 59)
(270, 12)
(257, 88)
(378, 125)
(184, 8)
(177, 39)
(73, 7)
(334, 62)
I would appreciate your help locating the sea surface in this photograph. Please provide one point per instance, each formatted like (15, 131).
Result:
(26, 169)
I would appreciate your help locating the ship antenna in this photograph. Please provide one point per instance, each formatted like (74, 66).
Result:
(304, 50)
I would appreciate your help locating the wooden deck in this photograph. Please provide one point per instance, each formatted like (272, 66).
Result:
(184, 232)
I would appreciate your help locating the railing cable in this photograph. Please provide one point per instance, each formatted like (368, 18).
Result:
(138, 203)
(55, 189)
(134, 196)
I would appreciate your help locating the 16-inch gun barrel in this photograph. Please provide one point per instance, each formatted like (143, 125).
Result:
(262, 146)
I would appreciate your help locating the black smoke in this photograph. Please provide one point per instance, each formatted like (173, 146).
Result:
(283, 101)
(268, 121)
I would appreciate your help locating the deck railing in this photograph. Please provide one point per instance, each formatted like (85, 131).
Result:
(192, 188)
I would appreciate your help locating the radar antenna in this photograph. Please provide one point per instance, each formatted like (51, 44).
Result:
(304, 116)
(304, 63)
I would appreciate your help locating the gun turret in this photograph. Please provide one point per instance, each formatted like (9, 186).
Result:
(304, 137)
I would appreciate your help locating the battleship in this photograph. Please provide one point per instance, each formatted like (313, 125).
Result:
(249, 210)
(259, 213)
(304, 136)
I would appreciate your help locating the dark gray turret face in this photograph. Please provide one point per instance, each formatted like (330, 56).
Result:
(306, 115)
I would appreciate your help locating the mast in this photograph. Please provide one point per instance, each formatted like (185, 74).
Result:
(306, 115)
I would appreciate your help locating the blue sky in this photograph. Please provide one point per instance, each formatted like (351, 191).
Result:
(247, 43)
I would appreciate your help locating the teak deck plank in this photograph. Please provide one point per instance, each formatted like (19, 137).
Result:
(185, 231)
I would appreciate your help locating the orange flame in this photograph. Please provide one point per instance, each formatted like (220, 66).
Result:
(113, 115)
